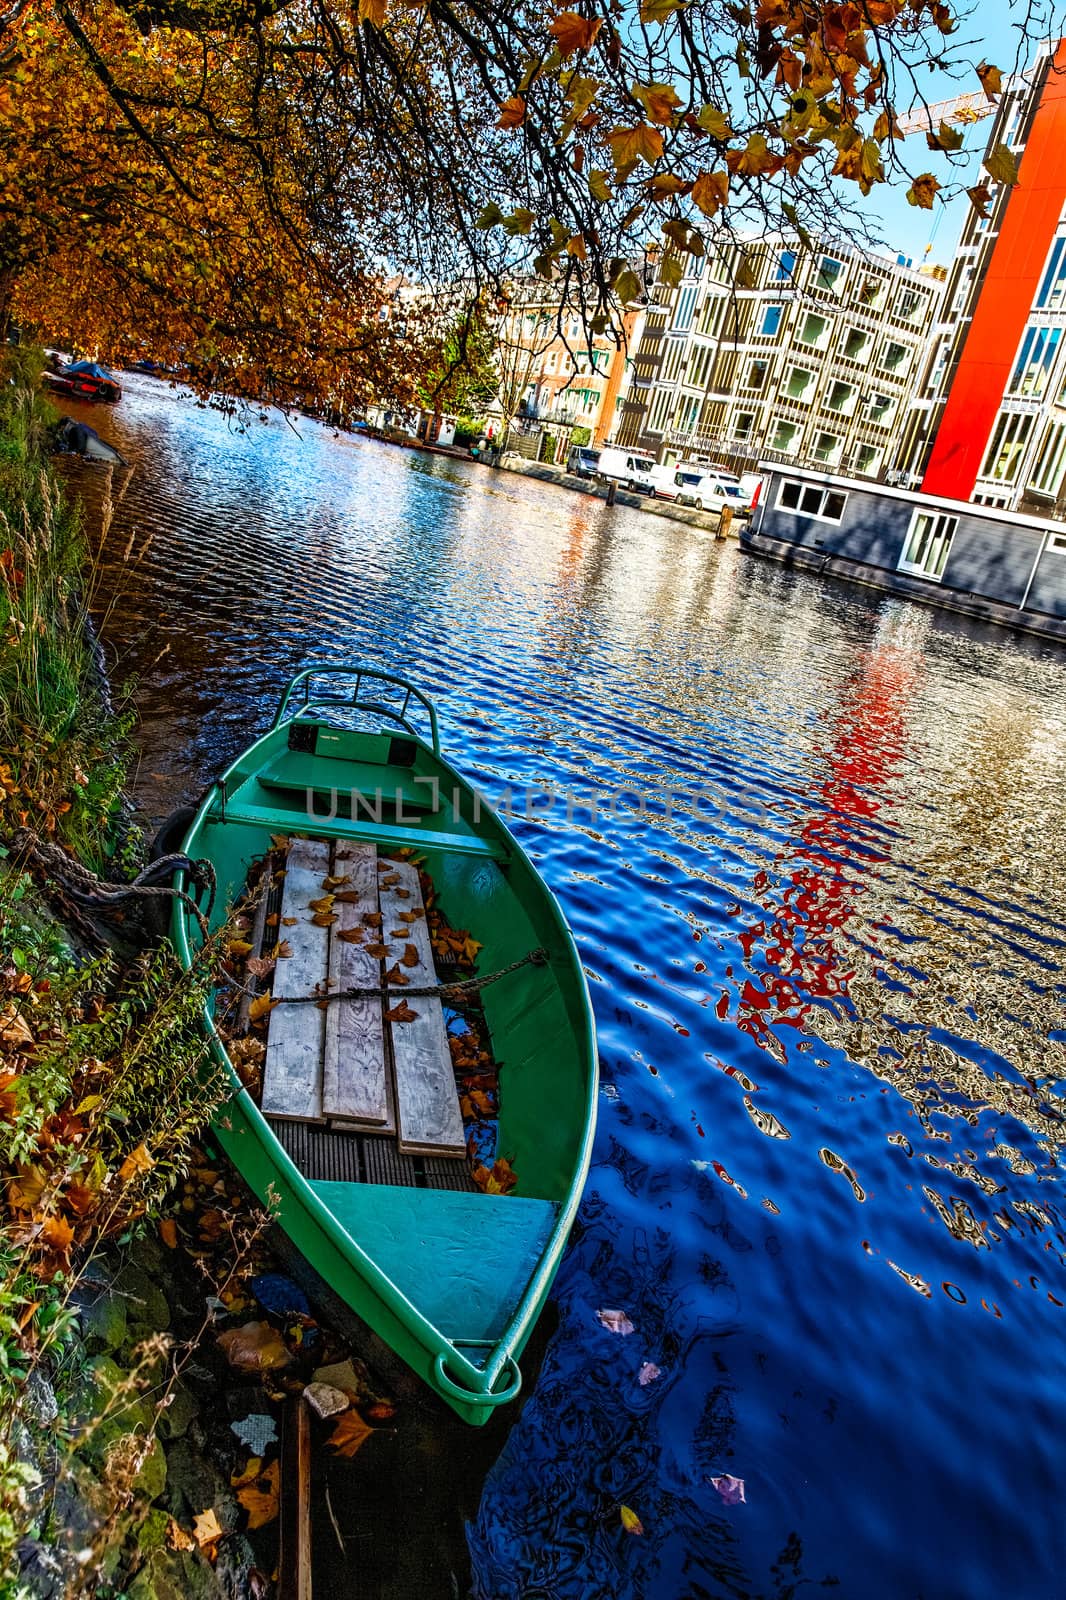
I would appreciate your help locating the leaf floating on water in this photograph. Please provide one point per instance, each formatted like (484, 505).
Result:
(350, 1434)
(648, 1374)
(630, 1521)
(616, 1322)
(731, 1489)
(255, 1347)
(401, 1013)
(168, 1232)
(501, 1179)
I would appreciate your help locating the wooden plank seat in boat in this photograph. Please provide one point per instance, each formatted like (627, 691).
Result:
(348, 1062)
(276, 818)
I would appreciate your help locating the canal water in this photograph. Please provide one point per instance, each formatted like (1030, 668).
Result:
(812, 846)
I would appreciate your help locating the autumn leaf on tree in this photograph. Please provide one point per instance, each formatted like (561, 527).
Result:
(923, 191)
(991, 80)
(1001, 165)
(630, 145)
(659, 100)
(572, 32)
(512, 112)
(373, 11)
(711, 192)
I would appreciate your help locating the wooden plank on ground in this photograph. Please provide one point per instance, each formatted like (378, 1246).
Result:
(292, 1075)
(427, 1102)
(353, 1073)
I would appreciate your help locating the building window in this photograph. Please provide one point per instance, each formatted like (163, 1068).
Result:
(771, 322)
(757, 374)
(686, 305)
(711, 316)
(672, 363)
(687, 413)
(785, 437)
(907, 304)
(829, 270)
(1047, 473)
(660, 406)
(786, 265)
(841, 397)
(1039, 349)
(825, 505)
(1008, 445)
(871, 290)
(827, 447)
(798, 383)
(856, 345)
(928, 542)
(814, 331)
(894, 358)
(744, 425)
(1053, 289)
(879, 409)
(867, 459)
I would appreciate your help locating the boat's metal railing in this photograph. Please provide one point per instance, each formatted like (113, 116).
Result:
(308, 703)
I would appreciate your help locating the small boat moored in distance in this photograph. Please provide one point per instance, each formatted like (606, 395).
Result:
(84, 380)
(406, 1027)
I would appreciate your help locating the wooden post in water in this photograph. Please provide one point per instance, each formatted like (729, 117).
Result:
(294, 1557)
(612, 490)
(725, 522)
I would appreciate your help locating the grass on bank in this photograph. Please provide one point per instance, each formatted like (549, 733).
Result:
(104, 1077)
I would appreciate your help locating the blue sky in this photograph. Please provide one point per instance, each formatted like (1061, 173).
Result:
(905, 228)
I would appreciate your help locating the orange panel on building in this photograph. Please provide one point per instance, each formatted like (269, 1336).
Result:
(1006, 299)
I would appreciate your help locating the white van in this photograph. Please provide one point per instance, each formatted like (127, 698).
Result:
(631, 470)
(709, 490)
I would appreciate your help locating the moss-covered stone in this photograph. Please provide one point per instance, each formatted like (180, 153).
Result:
(175, 1418)
(103, 1321)
(152, 1533)
(175, 1575)
(147, 1307)
(151, 1478)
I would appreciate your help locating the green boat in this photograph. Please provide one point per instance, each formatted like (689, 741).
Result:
(358, 1135)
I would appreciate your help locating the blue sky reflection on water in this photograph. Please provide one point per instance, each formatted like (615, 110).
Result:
(825, 1190)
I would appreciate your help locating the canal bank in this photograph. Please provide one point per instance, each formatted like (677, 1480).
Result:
(810, 841)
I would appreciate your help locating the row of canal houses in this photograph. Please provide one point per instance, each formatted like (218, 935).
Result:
(909, 422)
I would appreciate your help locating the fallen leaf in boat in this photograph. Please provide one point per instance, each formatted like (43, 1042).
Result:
(280, 841)
(324, 1400)
(324, 919)
(255, 1347)
(323, 904)
(630, 1521)
(350, 1434)
(336, 883)
(348, 897)
(272, 920)
(168, 1232)
(256, 1431)
(500, 1180)
(378, 951)
(260, 1006)
(283, 950)
(401, 1013)
(259, 966)
(372, 919)
(471, 948)
(239, 947)
(648, 1374)
(258, 1492)
(616, 1322)
(351, 935)
(57, 1234)
(411, 916)
(396, 977)
(137, 1161)
(410, 955)
(398, 933)
(390, 879)
(403, 894)
(286, 922)
(207, 1530)
(731, 1489)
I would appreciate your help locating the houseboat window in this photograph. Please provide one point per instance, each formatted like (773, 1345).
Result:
(1057, 542)
(825, 504)
(867, 458)
(926, 550)
(826, 447)
(757, 374)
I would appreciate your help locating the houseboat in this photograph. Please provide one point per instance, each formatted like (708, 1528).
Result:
(1000, 566)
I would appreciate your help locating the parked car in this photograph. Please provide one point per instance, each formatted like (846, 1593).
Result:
(84, 380)
(665, 480)
(631, 470)
(583, 461)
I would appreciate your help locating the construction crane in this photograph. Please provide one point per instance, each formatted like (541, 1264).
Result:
(959, 112)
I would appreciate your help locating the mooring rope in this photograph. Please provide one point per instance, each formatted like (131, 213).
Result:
(85, 887)
(397, 992)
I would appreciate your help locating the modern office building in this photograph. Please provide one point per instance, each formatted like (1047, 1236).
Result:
(769, 351)
(989, 423)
